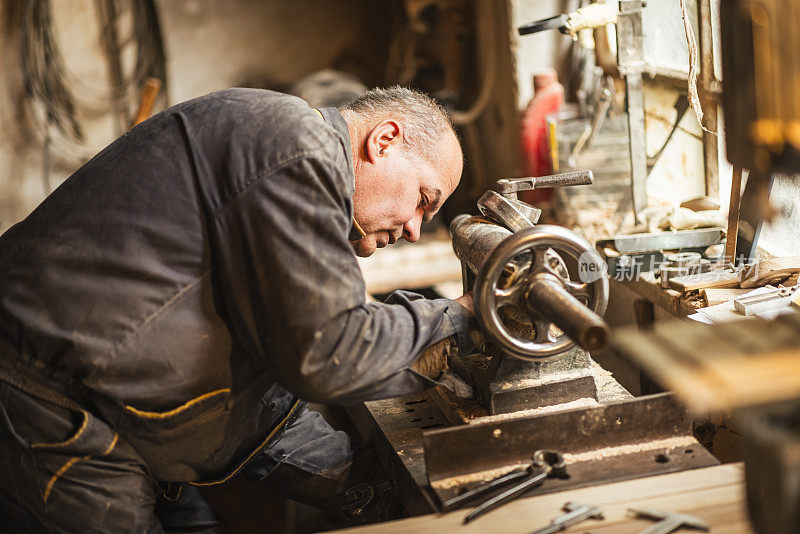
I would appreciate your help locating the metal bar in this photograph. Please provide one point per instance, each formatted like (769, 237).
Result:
(657, 241)
(636, 143)
(630, 56)
(628, 439)
(548, 297)
(513, 185)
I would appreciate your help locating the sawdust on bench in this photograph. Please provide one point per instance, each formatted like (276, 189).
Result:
(579, 403)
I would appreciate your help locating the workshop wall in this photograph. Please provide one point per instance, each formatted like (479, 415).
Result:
(210, 45)
(535, 53)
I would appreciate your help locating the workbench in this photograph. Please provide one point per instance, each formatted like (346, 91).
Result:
(713, 494)
(395, 428)
(648, 287)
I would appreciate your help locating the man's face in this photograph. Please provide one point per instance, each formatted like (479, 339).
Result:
(396, 190)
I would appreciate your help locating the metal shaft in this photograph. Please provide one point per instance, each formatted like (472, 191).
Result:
(548, 297)
(474, 238)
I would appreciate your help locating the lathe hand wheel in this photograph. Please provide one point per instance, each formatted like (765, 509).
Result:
(525, 255)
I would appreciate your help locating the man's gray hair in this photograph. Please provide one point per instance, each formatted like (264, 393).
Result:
(424, 120)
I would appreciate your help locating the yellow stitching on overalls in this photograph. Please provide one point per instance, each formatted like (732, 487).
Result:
(72, 461)
(269, 437)
(111, 445)
(162, 415)
(80, 431)
(177, 495)
(60, 472)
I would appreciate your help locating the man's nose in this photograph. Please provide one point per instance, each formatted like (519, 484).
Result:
(411, 228)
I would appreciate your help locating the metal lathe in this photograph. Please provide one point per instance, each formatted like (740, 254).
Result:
(540, 293)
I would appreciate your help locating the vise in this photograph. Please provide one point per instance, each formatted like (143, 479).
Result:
(539, 291)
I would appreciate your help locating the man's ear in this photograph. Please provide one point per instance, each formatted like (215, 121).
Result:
(385, 136)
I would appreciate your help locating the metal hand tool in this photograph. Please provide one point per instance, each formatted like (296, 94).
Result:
(774, 299)
(575, 514)
(669, 521)
(545, 464)
(516, 474)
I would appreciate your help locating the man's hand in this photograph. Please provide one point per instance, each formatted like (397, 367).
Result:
(444, 355)
(467, 302)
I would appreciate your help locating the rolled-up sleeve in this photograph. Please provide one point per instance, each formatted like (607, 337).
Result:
(294, 296)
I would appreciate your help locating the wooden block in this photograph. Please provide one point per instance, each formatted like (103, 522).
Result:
(714, 296)
(771, 271)
(713, 279)
(796, 302)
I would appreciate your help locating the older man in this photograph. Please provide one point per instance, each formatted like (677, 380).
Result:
(163, 313)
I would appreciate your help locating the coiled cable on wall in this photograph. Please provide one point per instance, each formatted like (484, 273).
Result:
(56, 98)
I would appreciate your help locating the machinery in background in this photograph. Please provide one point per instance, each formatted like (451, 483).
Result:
(762, 113)
(597, 95)
(759, 97)
(460, 52)
(748, 368)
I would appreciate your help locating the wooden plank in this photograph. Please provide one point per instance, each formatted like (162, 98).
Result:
(715, 368)
(770, 271)
(686, 378)
(715, 494)
(712, 279)
(714, 296)
(733, 215)
(669, 299)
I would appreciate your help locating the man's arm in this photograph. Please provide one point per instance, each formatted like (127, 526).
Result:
(294, 294)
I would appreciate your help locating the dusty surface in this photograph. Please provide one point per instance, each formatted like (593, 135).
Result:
(579, 403)
(608, 452)
(665, 445)
(479, 476)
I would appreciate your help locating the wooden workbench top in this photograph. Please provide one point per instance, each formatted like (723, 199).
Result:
(714, 494)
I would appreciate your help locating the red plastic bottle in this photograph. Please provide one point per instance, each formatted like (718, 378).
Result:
(547, 99)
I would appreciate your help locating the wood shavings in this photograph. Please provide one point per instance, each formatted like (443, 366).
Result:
(579, 403)
(478, 476)
(608, 452)
(694, 98)
(593, 219)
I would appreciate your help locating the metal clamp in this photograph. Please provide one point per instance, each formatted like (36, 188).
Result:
(508, 212)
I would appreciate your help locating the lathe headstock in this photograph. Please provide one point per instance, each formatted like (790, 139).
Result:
(520, 277)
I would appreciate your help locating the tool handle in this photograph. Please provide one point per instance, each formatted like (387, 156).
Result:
(565, 179)
(506, 186)
(457, 501)
(551, 23)
(149, 93)
(508, 495)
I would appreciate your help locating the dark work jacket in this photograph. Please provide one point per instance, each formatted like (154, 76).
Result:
(195, 278)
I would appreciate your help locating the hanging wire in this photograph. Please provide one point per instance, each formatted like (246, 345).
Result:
(56, 98)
